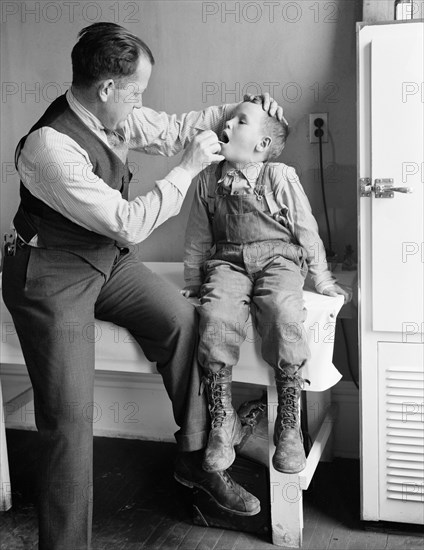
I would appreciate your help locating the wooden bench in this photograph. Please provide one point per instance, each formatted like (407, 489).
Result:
(285, 489)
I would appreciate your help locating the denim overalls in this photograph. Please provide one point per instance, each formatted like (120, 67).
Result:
(257, 265)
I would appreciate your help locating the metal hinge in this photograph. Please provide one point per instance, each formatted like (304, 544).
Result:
(383, 188)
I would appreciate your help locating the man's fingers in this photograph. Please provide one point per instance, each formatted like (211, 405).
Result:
(269, 105)
(206, 135)
(329, 293)
(276, 111)
(211, 145)
(208, 139)
(280, 115)
(272, 108)
(217, 158)
(266, 102)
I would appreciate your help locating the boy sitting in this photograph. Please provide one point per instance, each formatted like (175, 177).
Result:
(250, 240)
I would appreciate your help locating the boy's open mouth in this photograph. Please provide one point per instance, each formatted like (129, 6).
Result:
(224, 138)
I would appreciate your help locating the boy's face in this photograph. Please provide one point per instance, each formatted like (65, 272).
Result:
(243, 133)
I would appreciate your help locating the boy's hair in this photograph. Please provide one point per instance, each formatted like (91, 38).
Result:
(106, 50)
(278, 131)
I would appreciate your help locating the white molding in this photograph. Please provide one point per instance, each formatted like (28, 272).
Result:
(111, 387)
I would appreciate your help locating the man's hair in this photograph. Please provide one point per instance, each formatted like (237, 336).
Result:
(106, 50)
(278, 131)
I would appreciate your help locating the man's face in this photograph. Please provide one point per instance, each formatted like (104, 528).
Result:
(123, 100)
(243, 133)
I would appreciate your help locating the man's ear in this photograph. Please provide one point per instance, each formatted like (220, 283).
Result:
(264, 144)
(105, 89)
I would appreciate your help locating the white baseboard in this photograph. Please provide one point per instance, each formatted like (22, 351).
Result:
(129, 406)
(125, 405)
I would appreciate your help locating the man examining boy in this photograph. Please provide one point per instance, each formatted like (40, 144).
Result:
(72, 262)
(250, 241)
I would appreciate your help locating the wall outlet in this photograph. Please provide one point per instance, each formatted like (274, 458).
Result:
(312, 127)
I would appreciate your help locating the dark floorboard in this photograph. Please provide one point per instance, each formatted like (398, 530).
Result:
(138, 505)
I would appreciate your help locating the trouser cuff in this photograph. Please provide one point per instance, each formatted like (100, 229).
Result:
(192, 442)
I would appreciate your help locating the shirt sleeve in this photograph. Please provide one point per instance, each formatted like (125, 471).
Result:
(158, 133)
(199, 242)
(291, 196)
(56, 170)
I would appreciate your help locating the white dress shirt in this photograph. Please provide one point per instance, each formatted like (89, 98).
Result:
(56, 170)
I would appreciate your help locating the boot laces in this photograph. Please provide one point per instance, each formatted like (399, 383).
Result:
(288, 408)
(217, 393)
(251, 417)
(226, 477)
(289, 387)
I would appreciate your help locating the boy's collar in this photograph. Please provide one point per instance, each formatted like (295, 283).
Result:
(250, 171)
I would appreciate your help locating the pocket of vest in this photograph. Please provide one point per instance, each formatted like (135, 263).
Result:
(242, 228)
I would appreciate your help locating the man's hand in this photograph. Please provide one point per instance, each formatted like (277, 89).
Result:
(334, 290)
(201, 152)
(269, 105)
(191, 291)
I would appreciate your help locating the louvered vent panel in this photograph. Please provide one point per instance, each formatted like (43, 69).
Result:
(405, 435)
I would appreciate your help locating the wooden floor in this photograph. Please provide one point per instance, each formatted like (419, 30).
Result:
(138, 505)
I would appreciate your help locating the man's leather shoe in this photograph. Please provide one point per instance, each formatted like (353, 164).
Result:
(227, 494)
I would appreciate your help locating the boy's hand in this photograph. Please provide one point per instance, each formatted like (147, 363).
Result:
(191, 291)
(201, 152)
(269, 105)
(334, 290)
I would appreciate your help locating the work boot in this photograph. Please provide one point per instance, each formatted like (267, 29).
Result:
(289, 456)
(226, 429)
(227, 494)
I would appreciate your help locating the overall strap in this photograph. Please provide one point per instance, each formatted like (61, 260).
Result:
(260, 187)
(211, 191)
(268, 189)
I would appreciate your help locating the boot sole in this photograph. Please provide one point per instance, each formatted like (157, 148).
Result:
(287, 471)
(192, 484)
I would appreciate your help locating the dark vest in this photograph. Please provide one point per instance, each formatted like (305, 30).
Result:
(54, 230)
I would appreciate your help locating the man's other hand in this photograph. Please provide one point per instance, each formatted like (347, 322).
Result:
(269, 105)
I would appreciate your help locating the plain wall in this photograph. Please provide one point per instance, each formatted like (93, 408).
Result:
(206, 53)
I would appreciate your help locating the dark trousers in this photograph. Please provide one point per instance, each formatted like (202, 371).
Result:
(54, 298)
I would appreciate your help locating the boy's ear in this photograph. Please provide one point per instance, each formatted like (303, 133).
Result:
(264, 144)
